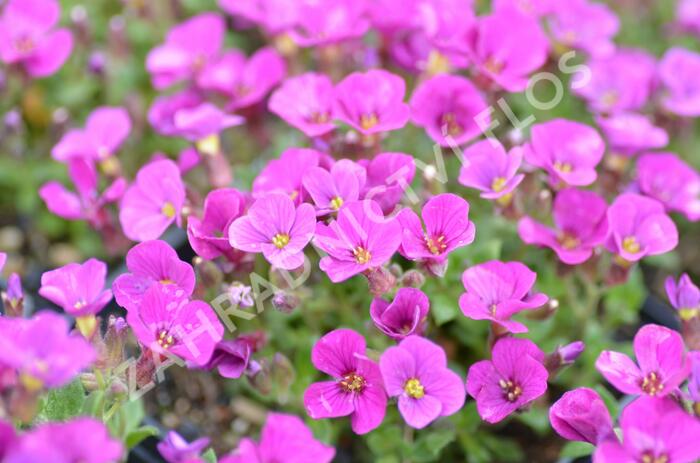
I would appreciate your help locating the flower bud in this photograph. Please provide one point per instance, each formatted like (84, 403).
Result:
(285, 302)
(563, 356)
(208, 273)
(380, 281)
(581, 415)
(13, 298)
(413, 279)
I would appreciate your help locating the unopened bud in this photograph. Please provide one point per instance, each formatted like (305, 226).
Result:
(13, 298)
(89, 382)
(413, 279)
(380, 281)
(285, 302)
(208, 273)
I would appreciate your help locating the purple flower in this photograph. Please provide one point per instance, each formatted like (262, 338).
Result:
(580, 224)
(488, 168)
(569, 151)
(275, 16)
(150, 263)
(668, 179)
(630, 133)
(283, 438)
(570, 352)
(653, 430)
(416, 372)
(684, 296)
(153, 201)
(639, 227)
(168, 324)
(188, 48)
(388, 176)
(358, 240)
(581, 415)
(678, 71)
(404, 316)
(28, 36)
(663, 365)
(330, 190)
(323, 22)
(447, 227)
(507, 59)
(498, 290)
(512, 378)
(584, 25)
(372, 102)
(208, 236)
(175, 449)
(445, 23)
(105, 130)
(3, 260)
(356, 389)
(275, 227)
(537, 8)
(230, 358)
(447, 107)
(77, 288)
(284, 175)
(694, 380)
(305, 102)
(688, 15)
(42, 350)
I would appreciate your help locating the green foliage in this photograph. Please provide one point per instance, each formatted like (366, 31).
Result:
(63, 403)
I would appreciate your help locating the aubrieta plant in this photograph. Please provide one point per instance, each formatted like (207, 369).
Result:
(304, 231)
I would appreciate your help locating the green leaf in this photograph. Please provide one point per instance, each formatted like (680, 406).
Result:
(429, 445)
(64, 403)
(209, 456)
(576, 449)
(609, 399)
(622, 302)
(135, 437)
(443, 308)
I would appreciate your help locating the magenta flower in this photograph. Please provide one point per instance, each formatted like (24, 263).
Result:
(639, 227)
(28, 36)
(584, 25)
(330, 190)
(187, 49)
(512, 378)
(569, 151)
(42, 351)
(275, 16)
(358, 240)
(388, 176)
(168, 324)
(284, 175)
(654, 430)
(507, 59)
(275, 227)
(447, 107)
(404, 316)
(372, 102)
(619, 82)
(416, 372)
(694, 380)
(105, 130)
(684, 296)
(447, 227)
(668, 179)
(580, 224)
(324, 22)
(3, 260)
(631, 133)
(230, 358)
(488, 168)
(305, 102)
(356, 390)
(208, 236)
(150, 263)
(581, 415)
(175, 449)
(663, 365)
(688, 15)
(537, 8)
(153, 202)
(283, 438)
(244, 81)
(77, 288)
(445, 24)
(678, 72)
(498, 290)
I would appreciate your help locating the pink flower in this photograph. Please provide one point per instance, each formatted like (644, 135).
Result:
(175, 449)
(488, 168)
(323, 22)
(305, 102)
(630, 133)
(684, 296)
(688, 15)
(639, 227)
(445, 23)
(416, 372)
(536, 8)
(358, 240)
(447, 107)
(170, 325)
(655, 430)
(153, 202)
(356, 389)
(581, 415)
(388, 176)
(275, 227)
(330, 190)
(372, 102)
(275, 16)
(77, 288)
(230, 358)
(663, 365)
(498, 290)
(208, 236)
(188, 48)
(447, 227)
(105, 130)
(28, 36)
(244, 81)
(678, 71)
(283, 438)
(668, 179)
(569, 151)
(580, 224)
(512, 378)
(584, 25)
(152, 263)
(507, 46)
(284, 175)
(404, 316)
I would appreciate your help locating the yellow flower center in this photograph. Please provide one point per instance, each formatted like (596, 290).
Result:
(437, 63)
(564, 167)
(210, 145)
(367, 121)
(511, 391)
(24, 45)
(649, 457)
(165, 339)
(166, 281)
(86, 325)
(688, 314)
(352, 382)
(31, 383)
(568, 241)
(336, 203)
(631, 245)
(610, 98)
(652, 384)
(498, 184)
(280, 240)
(450, 126)
(436, 245)
(414, 388)
(319, 118)
(493, 65)
(362, 255)
(168, 210)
